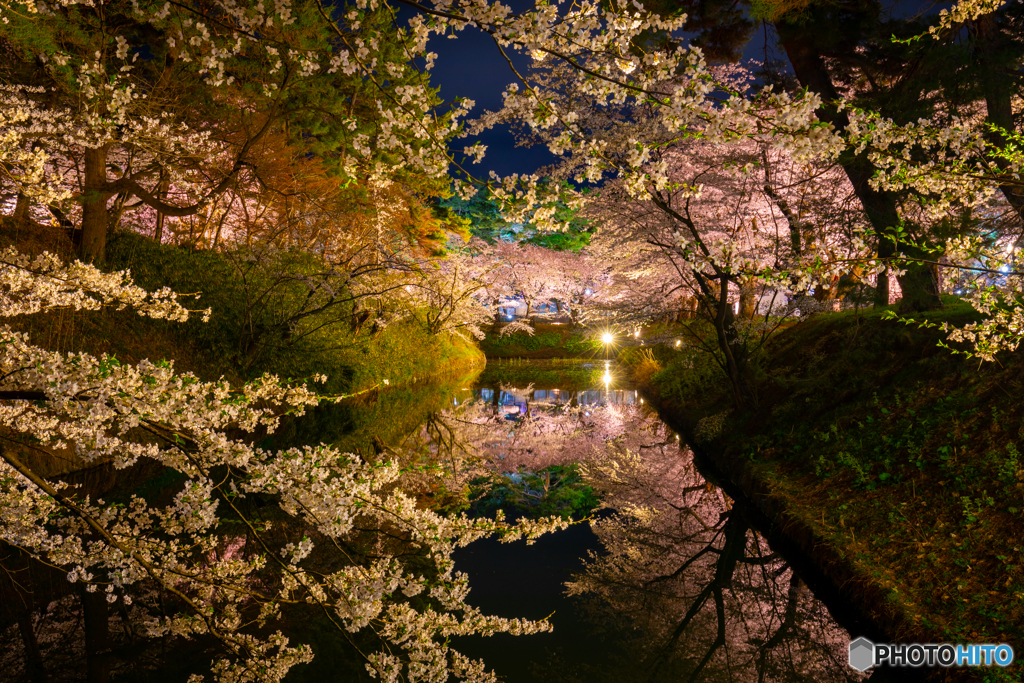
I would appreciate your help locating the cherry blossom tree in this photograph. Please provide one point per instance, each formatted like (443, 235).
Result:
(87, 120)
(581, 284)
(220, 582)
(753, 236)
(526, 269)
(196, 109)
(640, 95)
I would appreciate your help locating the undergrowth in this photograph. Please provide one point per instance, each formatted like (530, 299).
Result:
(353, 358)
(548, 341)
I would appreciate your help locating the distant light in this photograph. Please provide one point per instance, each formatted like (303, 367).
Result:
(607, 378)
(1004, 269)
(677, 342)
(607, 338)
(587, 292)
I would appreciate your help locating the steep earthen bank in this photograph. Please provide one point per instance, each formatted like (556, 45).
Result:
(858, 604)
(885, 468)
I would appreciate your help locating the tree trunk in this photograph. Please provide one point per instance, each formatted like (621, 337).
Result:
(724, 322)
(999, 90)
(920, 284)
(94, 206)
(97, 645)
(33, 659)
(880, 207)
(161, 194)
(748, 301)
(21, 208)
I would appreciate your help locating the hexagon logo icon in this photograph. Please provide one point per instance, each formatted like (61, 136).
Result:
(862, 654)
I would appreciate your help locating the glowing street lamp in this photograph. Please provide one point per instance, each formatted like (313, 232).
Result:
(607, 338)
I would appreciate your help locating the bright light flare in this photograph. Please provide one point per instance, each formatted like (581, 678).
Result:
(607, 338)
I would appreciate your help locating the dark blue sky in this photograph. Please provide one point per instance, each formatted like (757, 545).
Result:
(471, 66)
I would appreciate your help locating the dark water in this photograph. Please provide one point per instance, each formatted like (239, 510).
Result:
(670, 580)
(663, 578)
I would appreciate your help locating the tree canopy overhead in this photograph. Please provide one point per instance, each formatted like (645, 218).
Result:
(259, 127)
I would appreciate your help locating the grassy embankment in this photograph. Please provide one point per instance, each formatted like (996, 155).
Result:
(897, 462)
(353, 360)
(567, 374)
(548, 341)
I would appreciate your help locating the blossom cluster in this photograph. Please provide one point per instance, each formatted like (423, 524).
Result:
(88, 410)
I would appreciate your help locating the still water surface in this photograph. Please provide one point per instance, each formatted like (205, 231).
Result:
(665, 580)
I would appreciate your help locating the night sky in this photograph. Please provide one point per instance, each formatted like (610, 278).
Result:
(471, 66)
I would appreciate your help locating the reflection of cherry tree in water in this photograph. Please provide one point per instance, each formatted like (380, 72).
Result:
(691, 591)
(487, 433)
(684, 590)
(511, 437)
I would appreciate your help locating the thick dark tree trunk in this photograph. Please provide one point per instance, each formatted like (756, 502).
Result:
(920, 285)
(94, 206)
(97, 637)
(880, 207)
(33, 658)
(999, 90)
